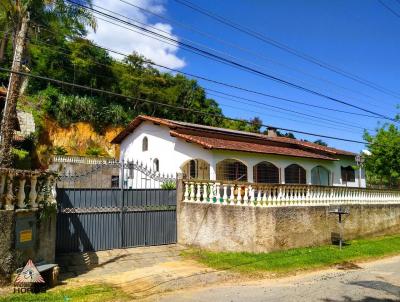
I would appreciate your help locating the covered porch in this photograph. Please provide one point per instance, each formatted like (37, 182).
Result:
(233, 169)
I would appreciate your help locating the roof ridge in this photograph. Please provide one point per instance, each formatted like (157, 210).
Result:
(259, 135)
(173, 124)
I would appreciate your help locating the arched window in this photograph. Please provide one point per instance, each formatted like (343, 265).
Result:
(145, 144)
(265, 172)
(295, 174)
(348, 174)
(231, 169)
(196, 169)
(320, 176)
(156, 165)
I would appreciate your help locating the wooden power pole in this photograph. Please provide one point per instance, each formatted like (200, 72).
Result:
(10, 108)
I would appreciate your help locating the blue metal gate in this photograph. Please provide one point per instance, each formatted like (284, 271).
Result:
(100, 218)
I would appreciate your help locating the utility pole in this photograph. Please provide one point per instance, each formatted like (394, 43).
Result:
(10, 108)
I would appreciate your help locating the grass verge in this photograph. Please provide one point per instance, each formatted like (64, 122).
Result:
(88, 293)
(290, 261)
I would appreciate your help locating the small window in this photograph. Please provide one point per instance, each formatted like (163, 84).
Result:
(348, 174)
(145, 144)
(156, 165)
(192, 169)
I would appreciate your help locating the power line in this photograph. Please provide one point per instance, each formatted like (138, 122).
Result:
(286, 111)
(286, 48)
(389, 8)
(236, 64)
(218, 82)
(328, 126)
(253, 53)
(342, 128)
(171, 106)
(279, 109)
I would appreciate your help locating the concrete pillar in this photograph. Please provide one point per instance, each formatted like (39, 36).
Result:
(308, 177)
(213, 170)
(179, 199)
(282, 175)
(250, 177)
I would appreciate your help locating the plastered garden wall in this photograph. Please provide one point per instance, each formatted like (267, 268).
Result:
(262, 229)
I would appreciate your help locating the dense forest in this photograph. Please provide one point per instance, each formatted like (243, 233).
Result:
(61, 51)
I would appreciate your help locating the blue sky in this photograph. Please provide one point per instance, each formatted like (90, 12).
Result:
(361, 37)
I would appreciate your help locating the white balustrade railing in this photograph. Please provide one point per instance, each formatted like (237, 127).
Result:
(76, 159)
(260, 195)
(20, 189)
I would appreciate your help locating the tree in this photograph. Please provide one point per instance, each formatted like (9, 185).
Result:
(16, 16)
(321, 143)
(286, 134)
(383, 164)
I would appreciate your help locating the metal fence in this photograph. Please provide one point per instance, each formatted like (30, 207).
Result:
(100, 211)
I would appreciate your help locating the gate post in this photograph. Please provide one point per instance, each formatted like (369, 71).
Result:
(179, 199)
(122, 203)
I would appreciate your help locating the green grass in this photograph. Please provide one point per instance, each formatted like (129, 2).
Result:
(289, 261)
(88, 293)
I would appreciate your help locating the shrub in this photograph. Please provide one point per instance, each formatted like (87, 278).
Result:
(94, 151)
(21, 159)
(59, 150)
(168, 185)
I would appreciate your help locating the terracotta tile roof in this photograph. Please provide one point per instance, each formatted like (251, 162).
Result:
(228, 144)
(312, 145)
(234, 139)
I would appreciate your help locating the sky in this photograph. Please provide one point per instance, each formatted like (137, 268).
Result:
(358, 37)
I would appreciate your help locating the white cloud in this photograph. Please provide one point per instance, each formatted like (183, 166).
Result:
(127, 41)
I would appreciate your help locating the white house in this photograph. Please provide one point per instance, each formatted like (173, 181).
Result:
(211, 153)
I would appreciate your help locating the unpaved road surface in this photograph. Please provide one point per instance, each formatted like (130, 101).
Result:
(369, 282)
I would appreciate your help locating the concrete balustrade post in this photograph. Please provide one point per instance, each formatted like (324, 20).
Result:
(33, 193)
(9, 197)
(21, 192)
(232, 195)
(198, 193)
(246, 196)
(239, 196)
(225, 194)
(205, 195)
(186, 194)
(192, 192)
(211, 193)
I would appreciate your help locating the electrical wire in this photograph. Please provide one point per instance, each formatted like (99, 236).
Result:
(236, 64)
(246, 50)
(172, 106)
(216, 82)
(286, 48)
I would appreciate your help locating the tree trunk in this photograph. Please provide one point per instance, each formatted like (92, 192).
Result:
(10, 110)
(3, 45)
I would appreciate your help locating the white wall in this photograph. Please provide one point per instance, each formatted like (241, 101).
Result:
(173, 152)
